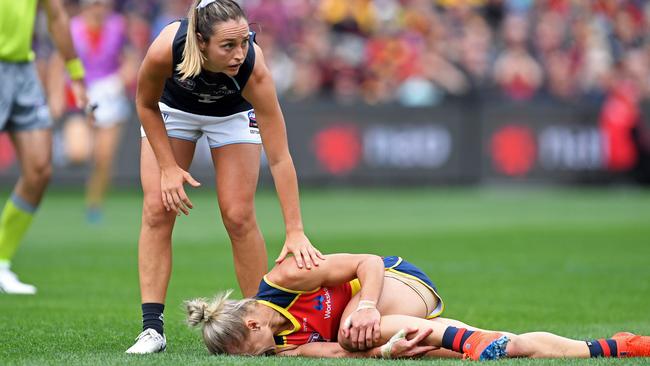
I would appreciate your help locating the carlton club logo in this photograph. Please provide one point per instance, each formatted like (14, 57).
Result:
(187, 84)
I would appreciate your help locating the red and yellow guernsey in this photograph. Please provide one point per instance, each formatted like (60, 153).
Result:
(316, 315)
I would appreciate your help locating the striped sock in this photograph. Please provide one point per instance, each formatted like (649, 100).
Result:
(152, 316)
(455, 338)
(602, 348)
(14, 222)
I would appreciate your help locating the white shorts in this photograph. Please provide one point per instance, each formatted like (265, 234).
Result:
(109, 95)
(238, 128)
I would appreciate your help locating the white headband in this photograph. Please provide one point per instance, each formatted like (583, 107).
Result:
(204, 3)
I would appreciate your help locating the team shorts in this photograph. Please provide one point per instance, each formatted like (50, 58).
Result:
(109, 95)
(22, 101)
(412, 276)
(238, 128)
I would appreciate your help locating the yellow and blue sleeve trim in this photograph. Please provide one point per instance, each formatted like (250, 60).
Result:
(280, 299)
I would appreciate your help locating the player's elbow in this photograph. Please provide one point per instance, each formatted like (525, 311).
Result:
(279, 159)
(144, 103)
(373, 260)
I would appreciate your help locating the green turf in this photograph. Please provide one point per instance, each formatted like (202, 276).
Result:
(575, 262)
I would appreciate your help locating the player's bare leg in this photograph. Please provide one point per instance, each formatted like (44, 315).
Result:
(535, 344)
(33, 149)
(106, 140)
(545, 345)
(401, 306)
(154, 246)
(237, 170)
(399, 298)
(78, 139)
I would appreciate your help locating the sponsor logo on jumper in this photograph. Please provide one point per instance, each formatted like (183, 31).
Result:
(324, 301)
(319, 303)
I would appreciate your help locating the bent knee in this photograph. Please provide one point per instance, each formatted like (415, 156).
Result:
(38, 174)
(154, 214)
(239, 221)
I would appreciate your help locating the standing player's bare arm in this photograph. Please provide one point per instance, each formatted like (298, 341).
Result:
(156, 68)
(260, 92)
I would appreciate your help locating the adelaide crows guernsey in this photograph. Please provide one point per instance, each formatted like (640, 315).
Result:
(316, 315)
(209, 93)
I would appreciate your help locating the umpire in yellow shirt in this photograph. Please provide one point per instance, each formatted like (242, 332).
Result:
(25, 116)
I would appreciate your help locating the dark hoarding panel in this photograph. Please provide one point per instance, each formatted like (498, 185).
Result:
(377, 144)
(543, 143)
(457, 142)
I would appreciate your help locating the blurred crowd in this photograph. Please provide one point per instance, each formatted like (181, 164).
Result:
(419, 52)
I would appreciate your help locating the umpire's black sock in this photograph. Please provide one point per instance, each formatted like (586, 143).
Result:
(152, 316)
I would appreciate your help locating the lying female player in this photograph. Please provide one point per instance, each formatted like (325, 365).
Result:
(334, 311)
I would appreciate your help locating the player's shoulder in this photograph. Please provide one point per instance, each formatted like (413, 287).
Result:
(284, 273)
(166, 36)
(260, 71)
(160, 51)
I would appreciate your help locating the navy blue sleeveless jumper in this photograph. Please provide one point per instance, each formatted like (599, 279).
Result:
(209, 93)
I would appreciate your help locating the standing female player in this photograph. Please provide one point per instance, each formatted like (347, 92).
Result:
(203, 75)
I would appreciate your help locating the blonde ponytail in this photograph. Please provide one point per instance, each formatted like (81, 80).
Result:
(193, 58)
(202, 21)
(221, 320)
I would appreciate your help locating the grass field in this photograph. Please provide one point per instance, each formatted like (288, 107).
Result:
(574, 262)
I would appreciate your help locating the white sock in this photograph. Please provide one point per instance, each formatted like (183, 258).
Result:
(5, 265)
